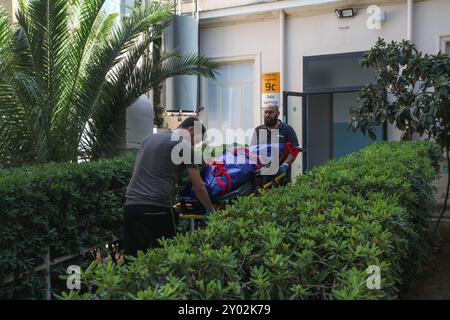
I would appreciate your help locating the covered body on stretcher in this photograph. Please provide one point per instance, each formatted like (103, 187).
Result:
(240, 171)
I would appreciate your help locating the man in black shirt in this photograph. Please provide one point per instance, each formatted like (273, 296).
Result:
(284, 134)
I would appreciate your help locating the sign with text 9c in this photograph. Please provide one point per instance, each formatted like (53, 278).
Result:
(270, 89)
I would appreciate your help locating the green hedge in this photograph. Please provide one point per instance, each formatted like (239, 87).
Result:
(67, 207)
(309, 240)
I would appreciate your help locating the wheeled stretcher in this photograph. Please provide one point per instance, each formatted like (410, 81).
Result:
(219, 175)
(193, 210)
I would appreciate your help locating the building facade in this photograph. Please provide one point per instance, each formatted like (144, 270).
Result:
(312, 53)
(316, 54)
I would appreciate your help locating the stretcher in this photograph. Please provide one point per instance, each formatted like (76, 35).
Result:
(193, 210)
(222, 174)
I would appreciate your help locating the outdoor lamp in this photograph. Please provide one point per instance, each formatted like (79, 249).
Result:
(345, 13)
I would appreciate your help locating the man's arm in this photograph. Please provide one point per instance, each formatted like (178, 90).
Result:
(199, 188)
(255, 139)
(290, 158)
(292, 138)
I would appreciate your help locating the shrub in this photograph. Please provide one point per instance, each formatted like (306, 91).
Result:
(63, 207)
(312, 239)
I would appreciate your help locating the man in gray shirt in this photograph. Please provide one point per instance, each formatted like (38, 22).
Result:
(160, 163)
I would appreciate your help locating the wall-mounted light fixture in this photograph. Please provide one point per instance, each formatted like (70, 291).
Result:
(345, 13)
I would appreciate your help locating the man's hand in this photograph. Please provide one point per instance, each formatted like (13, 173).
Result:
(199, 188)
(283, 168)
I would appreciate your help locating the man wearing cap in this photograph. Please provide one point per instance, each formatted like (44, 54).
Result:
(160, 162)
(265, 134)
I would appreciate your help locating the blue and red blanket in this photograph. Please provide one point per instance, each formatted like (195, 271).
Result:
(234, 168)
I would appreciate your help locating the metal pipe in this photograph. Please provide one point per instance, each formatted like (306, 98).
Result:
(282, 54)
(410, 19)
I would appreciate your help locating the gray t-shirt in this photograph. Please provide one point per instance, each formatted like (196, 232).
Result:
(155, 174)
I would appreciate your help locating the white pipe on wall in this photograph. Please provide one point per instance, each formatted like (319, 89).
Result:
(410, 19)
(228, 11)
(282, 54)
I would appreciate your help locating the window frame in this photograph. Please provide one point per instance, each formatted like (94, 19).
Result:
(444, 40)
(255, 60)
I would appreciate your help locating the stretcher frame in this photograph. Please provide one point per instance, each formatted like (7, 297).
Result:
(259, 187)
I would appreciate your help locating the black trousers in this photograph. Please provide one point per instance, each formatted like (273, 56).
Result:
(143, 225)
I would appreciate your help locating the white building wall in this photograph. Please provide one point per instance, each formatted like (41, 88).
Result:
(219, 4)
(305, 36)
(257, 42)
(244, 39)
(317, 34)
(325, 34)
(431, 23)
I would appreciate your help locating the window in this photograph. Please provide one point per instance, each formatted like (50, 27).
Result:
(335, 72)
(119, 6)
(444, 44)
(231, 98)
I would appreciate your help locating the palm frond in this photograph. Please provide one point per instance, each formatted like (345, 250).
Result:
(114, 51)
(152, 73)
(68, 70)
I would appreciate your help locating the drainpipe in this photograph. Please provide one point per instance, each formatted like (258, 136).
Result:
(410, 17)
(12, 8)
(282, 56)
(409, 33)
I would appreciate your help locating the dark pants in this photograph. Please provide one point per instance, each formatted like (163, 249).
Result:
(143, 225)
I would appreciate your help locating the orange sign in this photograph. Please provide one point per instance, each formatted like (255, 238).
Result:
(270, 82)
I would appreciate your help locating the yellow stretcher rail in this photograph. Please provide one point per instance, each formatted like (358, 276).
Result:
(275, 181)
(191, 216)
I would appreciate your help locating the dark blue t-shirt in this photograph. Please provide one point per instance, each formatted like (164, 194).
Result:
(285, 134)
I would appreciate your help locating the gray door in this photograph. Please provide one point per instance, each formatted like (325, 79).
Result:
(345, 140)
(319, 129)
(329, 135)
(294, 113)
(331, 85)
